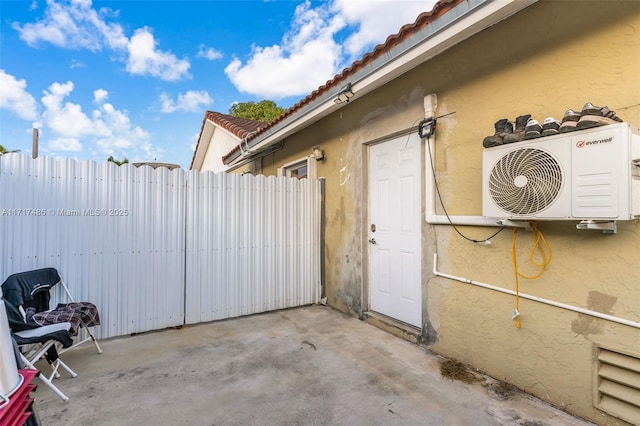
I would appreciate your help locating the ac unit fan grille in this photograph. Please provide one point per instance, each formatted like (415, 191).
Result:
(525, 181)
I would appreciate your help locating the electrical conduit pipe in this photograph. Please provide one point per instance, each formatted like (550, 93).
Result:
(430, 103)
(534, 298)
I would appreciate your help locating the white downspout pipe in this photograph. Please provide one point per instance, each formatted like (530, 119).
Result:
(534, 298)
(430, 104)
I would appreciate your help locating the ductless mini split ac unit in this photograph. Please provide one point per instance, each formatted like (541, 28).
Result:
(590, 174)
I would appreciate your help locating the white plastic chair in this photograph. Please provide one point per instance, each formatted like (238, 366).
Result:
(37, 342)
(32, 289)
(29, 358)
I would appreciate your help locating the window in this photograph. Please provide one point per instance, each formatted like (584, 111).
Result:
(301, 169)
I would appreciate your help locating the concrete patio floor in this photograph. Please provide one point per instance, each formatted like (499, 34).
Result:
(305, 366)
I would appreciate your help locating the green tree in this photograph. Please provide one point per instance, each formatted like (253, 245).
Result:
(4, 150)
(265, 111)
(119, 163)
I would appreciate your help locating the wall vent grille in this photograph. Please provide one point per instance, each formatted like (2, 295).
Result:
(617, 384)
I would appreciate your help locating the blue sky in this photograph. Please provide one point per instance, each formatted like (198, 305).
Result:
(134, 78)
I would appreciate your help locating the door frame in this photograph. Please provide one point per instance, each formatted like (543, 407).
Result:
(366, 214)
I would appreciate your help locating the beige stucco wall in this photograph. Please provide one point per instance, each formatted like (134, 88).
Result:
(546, 59)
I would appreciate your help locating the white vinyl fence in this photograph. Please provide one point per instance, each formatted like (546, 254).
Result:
(157, 248)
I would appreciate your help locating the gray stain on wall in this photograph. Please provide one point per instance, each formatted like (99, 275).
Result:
(599, 302)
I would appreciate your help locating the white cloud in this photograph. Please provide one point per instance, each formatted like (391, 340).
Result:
(64, 144)
(307, 57)
(191, 101)
(100, 96)
(116, 131)
(76, 64)
(312, 53)
(64, 119)
(375, 20)
(209, 53)
(108, 129)
(75, 24)
(194, 140)
(15, 98)
(144, 58)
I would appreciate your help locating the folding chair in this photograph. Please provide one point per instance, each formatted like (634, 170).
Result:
(30, 292)
(36, 342)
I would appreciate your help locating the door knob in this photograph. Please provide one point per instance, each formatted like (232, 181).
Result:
(372, 240)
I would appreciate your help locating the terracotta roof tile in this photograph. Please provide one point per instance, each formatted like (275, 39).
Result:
(439, 9)
(241, 127)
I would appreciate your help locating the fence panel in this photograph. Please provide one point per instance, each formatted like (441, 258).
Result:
(257, 248)
(157, 248)
(114, 233)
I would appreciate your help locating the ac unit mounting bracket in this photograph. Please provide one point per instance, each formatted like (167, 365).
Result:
(524, 224)
(606, 226)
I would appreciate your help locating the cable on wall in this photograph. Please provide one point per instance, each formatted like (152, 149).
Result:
(487, 240)
(543, 249)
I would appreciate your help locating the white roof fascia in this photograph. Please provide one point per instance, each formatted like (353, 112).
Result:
(203, 144)
(210, 128)
(463, 21)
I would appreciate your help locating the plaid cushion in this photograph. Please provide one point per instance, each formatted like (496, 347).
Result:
(77, 313)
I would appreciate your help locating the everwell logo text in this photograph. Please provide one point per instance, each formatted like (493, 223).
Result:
(582, 144)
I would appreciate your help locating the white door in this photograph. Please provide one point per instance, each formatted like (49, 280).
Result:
(394, 229)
